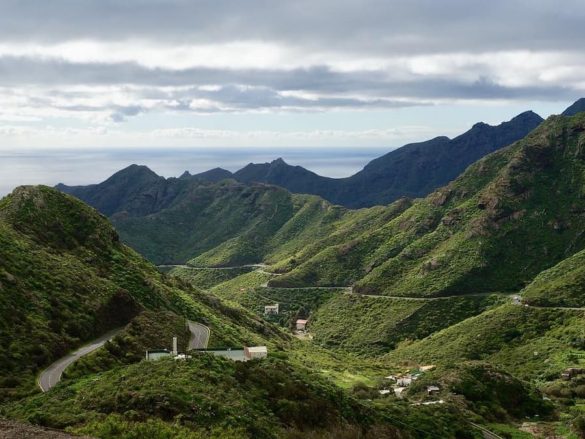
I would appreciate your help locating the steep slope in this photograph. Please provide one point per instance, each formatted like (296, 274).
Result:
(213, 175)
(577, 107)
(509, 216)
(530, 343)
(294, 178)
(233, 222)
(416, 170)
(65, 278)
(561, 285)
(413, 170)
(135, 189)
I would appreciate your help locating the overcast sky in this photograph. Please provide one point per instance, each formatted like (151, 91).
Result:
(174, 73)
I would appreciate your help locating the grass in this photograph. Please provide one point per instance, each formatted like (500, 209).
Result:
(206, 395)
(375, 325)
(65, 279)
(561, 285)
(529, 343)
(208, 278)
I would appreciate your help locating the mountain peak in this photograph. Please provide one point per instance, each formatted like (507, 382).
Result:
(577, 107)
(278, 162)
(479, 125)
(527, 116)
(185, 175)
(45, 213)
(213, 175)
(135, 169)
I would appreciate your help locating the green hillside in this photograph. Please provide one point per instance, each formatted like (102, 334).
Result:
(208, 277)
(508, 217)
(561, 285)
(371, 325)
(205, 397)
(530, 343)
(65, 278)
(511, 224)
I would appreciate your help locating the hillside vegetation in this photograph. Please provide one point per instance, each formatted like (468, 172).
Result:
(389, 289)
(205, 397)
(370, 325)
(65, 278)
(561, 285)
(530, 343)
(508, 217)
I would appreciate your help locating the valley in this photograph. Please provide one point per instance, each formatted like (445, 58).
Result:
(297, 219)
(457, 315)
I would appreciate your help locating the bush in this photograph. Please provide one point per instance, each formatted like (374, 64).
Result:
(579, 426)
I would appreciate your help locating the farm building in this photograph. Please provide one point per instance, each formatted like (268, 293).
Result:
(404, 381)
(431, 390)
(157, 354)
(255, 352)
(301, 325)
(572, 372)
(398, 391)
(271, 309)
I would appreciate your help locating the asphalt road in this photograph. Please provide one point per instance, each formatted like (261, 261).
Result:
(192, 267)
(52, 374)
(199, 335)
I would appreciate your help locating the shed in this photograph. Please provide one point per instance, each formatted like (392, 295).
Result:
(404, 381)
(301, 324)
(255, 352)
(398, 391)
(157, 354)
(271, 309)
(431, 390)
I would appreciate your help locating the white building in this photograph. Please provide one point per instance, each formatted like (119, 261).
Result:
(255, 352)
(157, 354)
(301, 324)
(431, 390)
(271, 309)
(404, 381)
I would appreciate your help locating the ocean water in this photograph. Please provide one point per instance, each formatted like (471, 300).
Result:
(93, 166)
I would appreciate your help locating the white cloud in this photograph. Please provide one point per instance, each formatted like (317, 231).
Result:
(112, 64)
(44, 138)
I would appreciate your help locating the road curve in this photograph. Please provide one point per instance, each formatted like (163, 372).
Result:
(193, 267)
(52, 374)
(487, 434)
(199, 335)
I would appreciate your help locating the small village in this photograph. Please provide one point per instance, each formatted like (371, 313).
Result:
(393, 384)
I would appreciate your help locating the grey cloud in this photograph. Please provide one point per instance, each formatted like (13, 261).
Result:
(265, 84)
(376, 26)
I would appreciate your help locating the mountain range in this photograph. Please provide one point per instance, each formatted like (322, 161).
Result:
(413, 171)
(474, 292)
(507, 218)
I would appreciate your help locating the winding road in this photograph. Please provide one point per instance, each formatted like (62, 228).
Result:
(260, 268)
(52, 374)
(192, 267)
(199, 335)
(49, 377)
